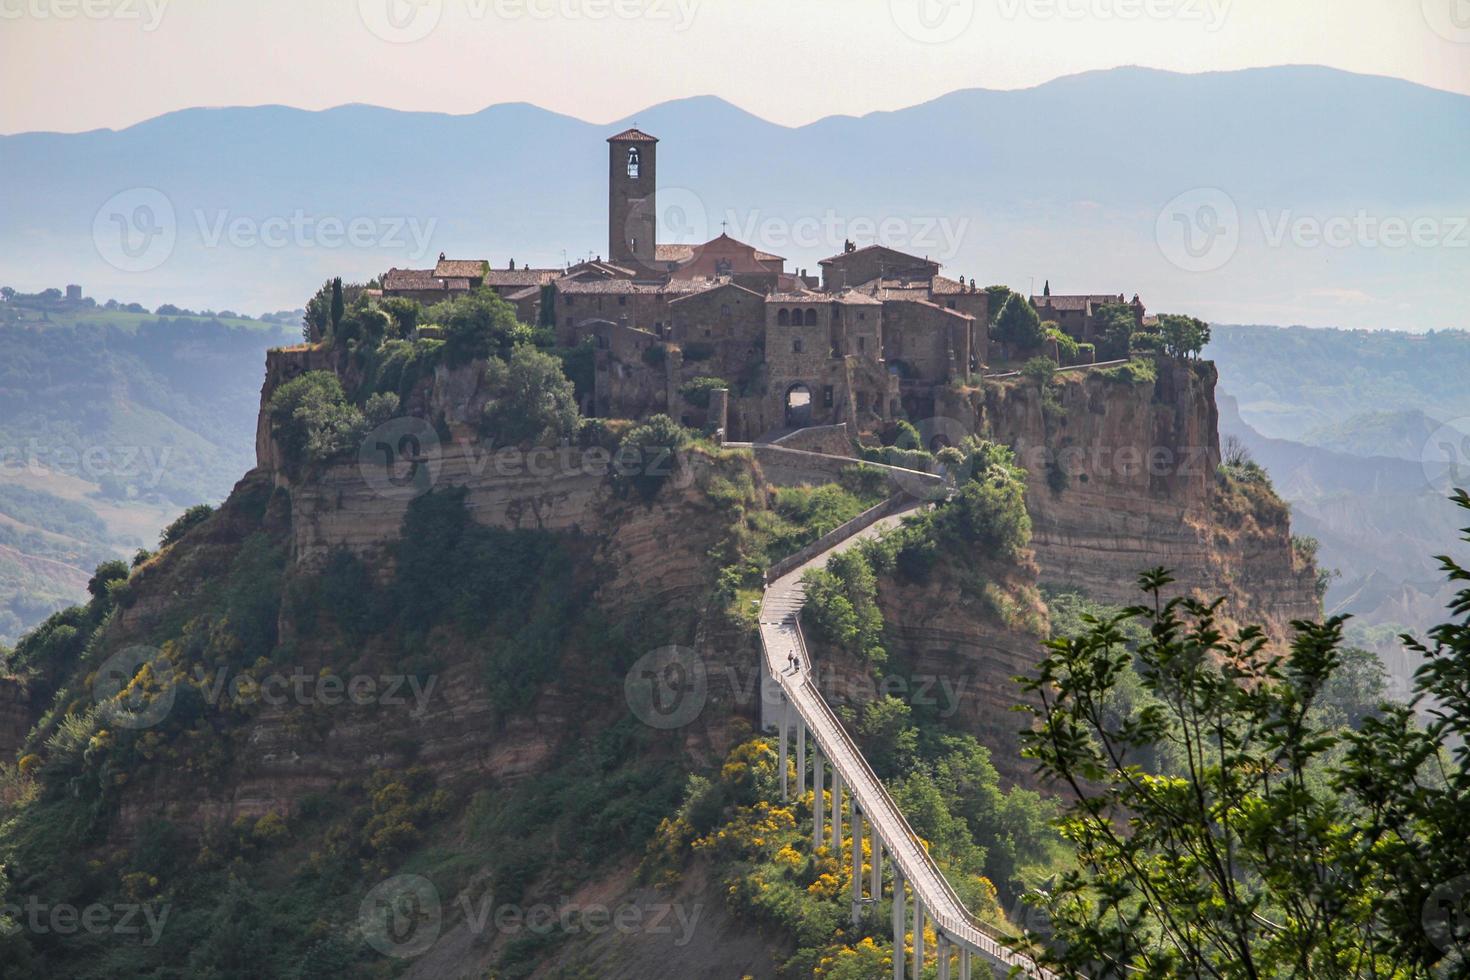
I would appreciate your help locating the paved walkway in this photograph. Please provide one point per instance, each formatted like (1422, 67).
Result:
(781, 638)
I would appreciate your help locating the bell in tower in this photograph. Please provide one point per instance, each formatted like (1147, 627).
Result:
(632, 231)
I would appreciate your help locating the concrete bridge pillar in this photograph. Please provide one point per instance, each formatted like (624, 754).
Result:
(918, 936)
(857, 863)
(875, 886)
(898, 924)
(964, 963)
(816, 801)
(942, 951)
(836, 813)
(783, 721)
(800, 756)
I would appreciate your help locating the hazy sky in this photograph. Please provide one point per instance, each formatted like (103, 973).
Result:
(72, 65)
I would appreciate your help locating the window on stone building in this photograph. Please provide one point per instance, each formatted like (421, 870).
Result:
(826, 396)
(622, 301)
(862, 344)
(725, 310)
(811, 318)
(783, 319)
(633, 162)
(796, 345)
(569, 299)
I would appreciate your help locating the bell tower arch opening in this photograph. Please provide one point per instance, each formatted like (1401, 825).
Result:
(632, 190)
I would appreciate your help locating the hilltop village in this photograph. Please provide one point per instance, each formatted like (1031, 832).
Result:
(868, 339)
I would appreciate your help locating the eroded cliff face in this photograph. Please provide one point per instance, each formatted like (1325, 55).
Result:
(1122, 477)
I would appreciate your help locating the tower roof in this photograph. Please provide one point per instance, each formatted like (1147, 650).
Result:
(632, 136)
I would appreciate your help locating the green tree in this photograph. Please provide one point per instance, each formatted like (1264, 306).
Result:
(1280, 843)
(1182, 336)
(313, 420)
(1017, 325)
(479, 325)
(1117, 324)
(531, 400)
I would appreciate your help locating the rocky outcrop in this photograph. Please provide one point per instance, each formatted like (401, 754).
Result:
(1122, 477)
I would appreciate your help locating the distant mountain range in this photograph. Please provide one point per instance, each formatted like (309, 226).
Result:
(1362, 433)
(1071, 181)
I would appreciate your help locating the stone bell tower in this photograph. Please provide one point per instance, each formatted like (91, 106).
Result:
(632, 196)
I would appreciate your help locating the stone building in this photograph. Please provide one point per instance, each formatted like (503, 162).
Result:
(871, 339)
(1079, 315)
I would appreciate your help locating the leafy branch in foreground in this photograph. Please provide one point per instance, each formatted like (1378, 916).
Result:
(1273, 842)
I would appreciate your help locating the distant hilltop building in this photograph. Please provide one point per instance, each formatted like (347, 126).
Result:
(868, 340)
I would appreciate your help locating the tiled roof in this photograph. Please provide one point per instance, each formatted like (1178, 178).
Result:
(868, 248)
(713, 285)
(1076, 302)
(632, 136)
(626, 287)
(520, 277)
(945, 286)
(410, 279)
(526, 293)
(673, 253)
(419, 280)
(460, 268)
(803, 297)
